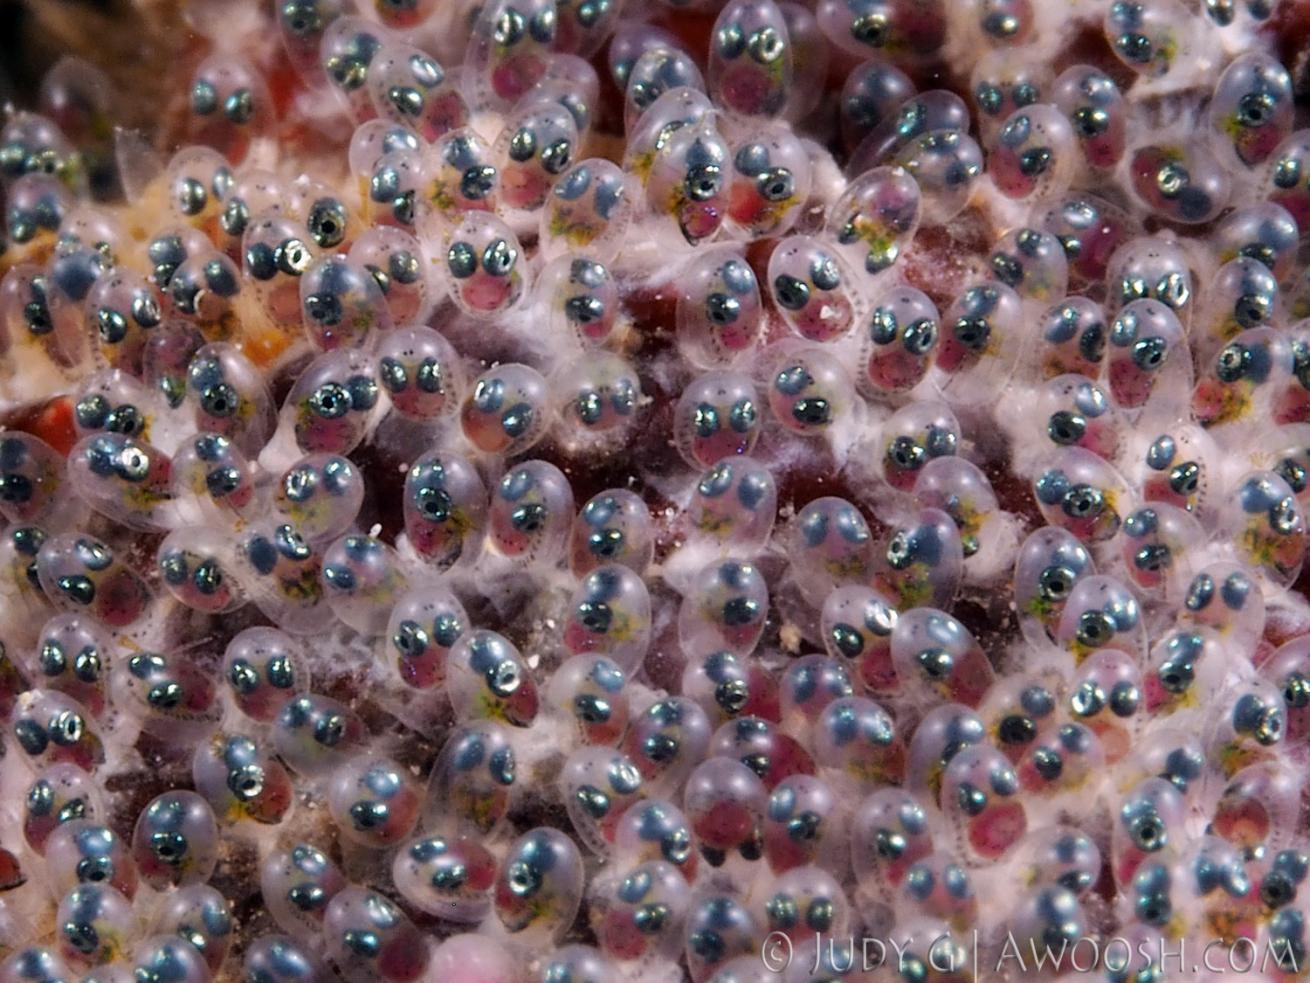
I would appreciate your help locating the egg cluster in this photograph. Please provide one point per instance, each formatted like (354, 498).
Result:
(563, 491)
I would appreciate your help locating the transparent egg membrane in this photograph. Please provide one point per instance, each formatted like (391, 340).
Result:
(546, 491)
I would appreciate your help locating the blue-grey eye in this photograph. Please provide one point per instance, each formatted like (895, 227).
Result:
(556, 157)
(703, 182)
(324, 308)
(824, 273)
(1149, 353)
(791, 292)
(330, 401)
(239, 106)
(1232, 363)
(1066, 428)
(973, 332)
(1161, 453)
(462, 260)
(776, 184)
(1051, 487)
(920, 336)
(261, 261)
(499, 258)
(721, 308)
(883, 326)
(522, 145)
